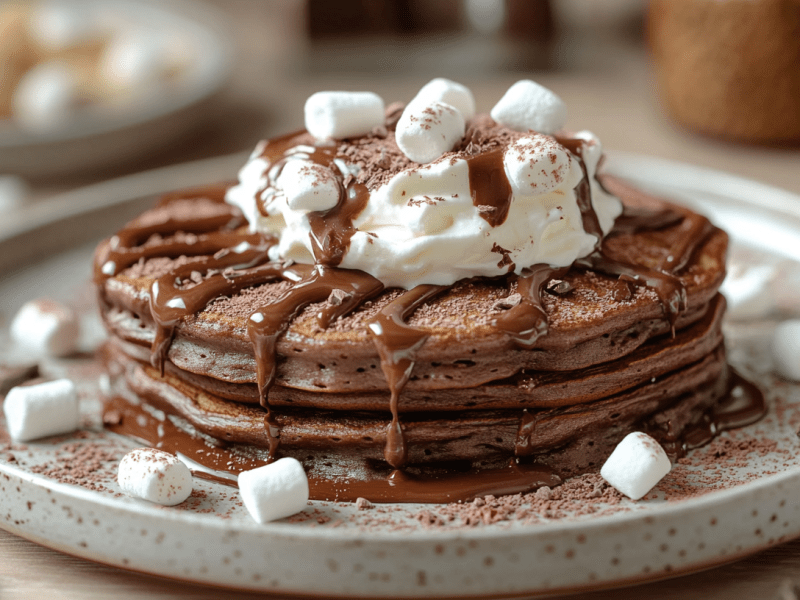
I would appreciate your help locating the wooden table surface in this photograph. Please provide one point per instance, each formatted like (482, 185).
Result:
(608, 86)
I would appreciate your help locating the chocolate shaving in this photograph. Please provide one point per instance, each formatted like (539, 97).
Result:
(337, 297)
(507, 303)
(559, 287)
(363, 504)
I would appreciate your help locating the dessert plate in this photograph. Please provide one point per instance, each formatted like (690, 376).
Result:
(102, 135)
(736, 496)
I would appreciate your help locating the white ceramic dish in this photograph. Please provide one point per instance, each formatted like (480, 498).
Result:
(735, 507)
(101, 137)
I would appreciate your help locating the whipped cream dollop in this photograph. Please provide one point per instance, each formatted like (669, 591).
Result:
(467, 213)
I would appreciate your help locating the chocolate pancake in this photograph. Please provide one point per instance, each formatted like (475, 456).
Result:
(548, 368)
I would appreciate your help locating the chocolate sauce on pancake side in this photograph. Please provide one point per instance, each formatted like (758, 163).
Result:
(221, 258)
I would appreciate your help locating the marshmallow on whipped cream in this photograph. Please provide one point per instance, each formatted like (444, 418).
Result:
(421, 224)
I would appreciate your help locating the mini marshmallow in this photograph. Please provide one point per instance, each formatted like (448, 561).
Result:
(42, 409)
(308, 186)
(536, 164)
(636, 465)
(155, 476)
(274, 491)
(45, 327)
(529, 106)
(443, 90)
(426, 131)
(340, 115)
(746, 291)
(785, 348)
(57, 25)
(46, 96)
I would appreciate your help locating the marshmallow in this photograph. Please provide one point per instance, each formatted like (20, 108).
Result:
(155, 476)
(745, 289)
(44, 327)
(42, 409)
(57, 25)
(636, 465)
(536, 164)
(426, 131)
(135, 60)
(340, 115)
(443, 90)
(785, 349)
(308, 186)
(46, 96)
(529, 106)
(274, 491)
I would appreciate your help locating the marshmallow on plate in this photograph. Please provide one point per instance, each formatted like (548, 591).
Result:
(274, 491)
(443, 90)
(527, 105)
(636, 465)
(340, 115)
(155, 476)
(536, 164)
(45, 327)
(46, 96)
(785, 349)
(426, 131)
(40, 410)
(308, 186)
(746, 293)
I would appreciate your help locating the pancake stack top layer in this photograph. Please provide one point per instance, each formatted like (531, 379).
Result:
(350, 294)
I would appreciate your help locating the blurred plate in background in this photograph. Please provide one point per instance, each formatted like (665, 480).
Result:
(109, 133)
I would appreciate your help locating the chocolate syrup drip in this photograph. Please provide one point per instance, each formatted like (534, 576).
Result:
(169, 304)
(209, 234)
(636, 219)
(693, 233)
(742, 404)
(527, 322)
(397, 345)
(527, 428)
(583, 192)
(268, 323)
(489, 186)
(331, 230)
(671, 292)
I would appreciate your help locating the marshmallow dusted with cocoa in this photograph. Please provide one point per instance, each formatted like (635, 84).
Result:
(155, 476)
(449, 92)
(41, 410)
(636, 465)
(785, 349)
(274, 491)
(426, 131)
(339, 115)
(529, 106)
(45, 327)
(537, 164)
(308, 186)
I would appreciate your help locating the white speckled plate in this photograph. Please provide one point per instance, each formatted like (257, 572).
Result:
(734, 497)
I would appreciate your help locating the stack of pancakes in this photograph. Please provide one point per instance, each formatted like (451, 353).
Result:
(618, 354)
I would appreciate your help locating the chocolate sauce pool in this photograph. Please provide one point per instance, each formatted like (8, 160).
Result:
(221, 259)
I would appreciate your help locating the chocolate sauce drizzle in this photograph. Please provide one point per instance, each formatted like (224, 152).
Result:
(268, 323)
(228, 260)
(397, 345)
